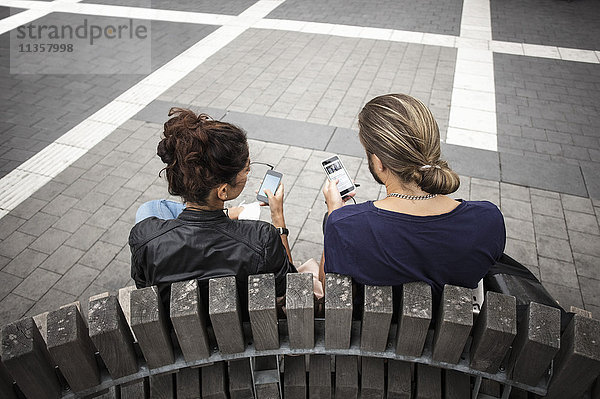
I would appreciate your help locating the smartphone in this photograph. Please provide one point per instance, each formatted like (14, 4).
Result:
(270, 181)
(334, 168)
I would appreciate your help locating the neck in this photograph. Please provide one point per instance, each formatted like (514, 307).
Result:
(404, 188)
(209, 206)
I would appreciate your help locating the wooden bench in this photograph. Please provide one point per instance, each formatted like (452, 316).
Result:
(128, 350)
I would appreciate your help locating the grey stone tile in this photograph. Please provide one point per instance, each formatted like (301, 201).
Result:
(28, 208)
(302, 196)
(304, 250)
(585, 243)
(592, 178)
(544, 193)
(565, 296)
(62, 259)
(52, 300)
(91, 202)
(298, 153)
(69, 175)
(312, 231)
(542, 174)
(513, 191)
(100, 255)
(485, 193)
(590, 290)
(15, 243)
(97, 172)
(577, 204)
(76, 280)
(550, 226)
(9, 282)
(141, 181)
(310, 179)
(26, 262)
(105, 216)
(50, 240)
(49, 191)
(72, 220)
(38, 223)
(60, 205)
(345, 141)
(472, 162)
(524, 252)
(516, 209)
(277, 130)
(583, 222)
(126, 169)
(587, 265)
(558, 272)
(546, 206)
(36, 284)
(115, 276)
(80, 188)
(519, 229)
(8, 224)
(85, 237)
(123, 198)
(554, 248)
(295, 215)
(12, 308)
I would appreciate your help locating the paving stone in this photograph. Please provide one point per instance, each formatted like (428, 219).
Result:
(566, 296)
(544, 193)
(15, 243)
(85, 237)
(555, 248)
(589, 290)
(522, 251)
(52, 300)
(72, 220)
(298, 153)
(62, 259)
(26, 262)
(301, 195)
(8, 224)
(485, 193)
(513, 191)
(36, 284)
(28, 208)
(80, 188)
(69, 175)
(546, 206)
(91, 202)
(582, 222)
(76, 280)
(12, 308)
(98, 172)
(587, 265)
(9, 282)
(115, 276)
(50, 240)
(584, 243)
(304, 250)
(558, 272)
(105, 217)
(59, 205)
(49, 191)
(516, 209)
(578, 204)
(312, 231)
(519, 229)
(550, 226)
(39, 223)
(100, 255)
(140, 182)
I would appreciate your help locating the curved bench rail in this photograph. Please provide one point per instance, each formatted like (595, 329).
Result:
(128, 342)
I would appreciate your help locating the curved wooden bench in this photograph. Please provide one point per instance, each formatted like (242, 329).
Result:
(140, 356)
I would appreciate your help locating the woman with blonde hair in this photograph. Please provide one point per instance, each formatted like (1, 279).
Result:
(417, 232)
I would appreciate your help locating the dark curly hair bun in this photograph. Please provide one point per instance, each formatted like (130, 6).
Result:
(165, 155)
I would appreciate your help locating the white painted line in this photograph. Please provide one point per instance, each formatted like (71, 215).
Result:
(14, 21)
(407, 37)
(473, 119)
(506, 47)
(571, 54)
(474, 99)
(537, 50)
(473, 139)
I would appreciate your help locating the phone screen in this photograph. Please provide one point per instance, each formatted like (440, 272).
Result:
(335, 170)
(270, 182)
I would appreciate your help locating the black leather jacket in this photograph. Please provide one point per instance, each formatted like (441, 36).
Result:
(204, 245)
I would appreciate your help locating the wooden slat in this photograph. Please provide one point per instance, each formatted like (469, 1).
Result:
(6, 383)
(26, 358)
(266, 384)
(214, 381)
(110, 393)
(454, 323)
(457, 385)
(346, 376)
(577, 363)
(414, 319)
(428, 382)
(135, 390)
(294, 377)
(149, 325)
(112, 336)
(377, 317)
(399, 381)
(240, 379)
(319, 377)
(372, 378)
(338, 311)
(300, 308)
(494, 332)
(187, 382)
(187, 316)
(537, 341)
(72, 349)
(490, 388)
(263, 311)
(161, 386)
(225, 314)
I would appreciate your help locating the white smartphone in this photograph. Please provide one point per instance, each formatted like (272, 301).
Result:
(334, 168)
(270, 181)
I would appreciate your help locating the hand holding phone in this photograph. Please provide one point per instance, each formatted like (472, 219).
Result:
(271, 182)
(335, 170)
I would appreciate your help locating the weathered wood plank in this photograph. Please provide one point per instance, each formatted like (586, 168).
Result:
(135, 390)
(225, 314)
(6, 383)
(372, 378)
(377, 317)
(294, 377)
(399, 380)
(319, 377)
(26, 358)
(414, 319)
(266, 384)
(161, 386)
(577, 363)
(263, 311)
(70, 346)
(490, 388)
(346, 376)
(537, 341)
(240, 379)
(494, 332)
(187, 316)
(338, 311)
(149, 325)
(300, 309)
(187, 382)
(428, 382)
(214, 380)
(457, 385)
(454, 323)
(112, 336)
(110, 393)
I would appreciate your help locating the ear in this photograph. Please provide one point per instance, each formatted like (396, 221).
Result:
(377, 164)
(222, 192)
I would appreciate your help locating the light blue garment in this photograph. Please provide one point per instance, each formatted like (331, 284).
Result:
(162, 209)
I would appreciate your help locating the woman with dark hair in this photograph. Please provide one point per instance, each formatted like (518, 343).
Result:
(207, 163)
